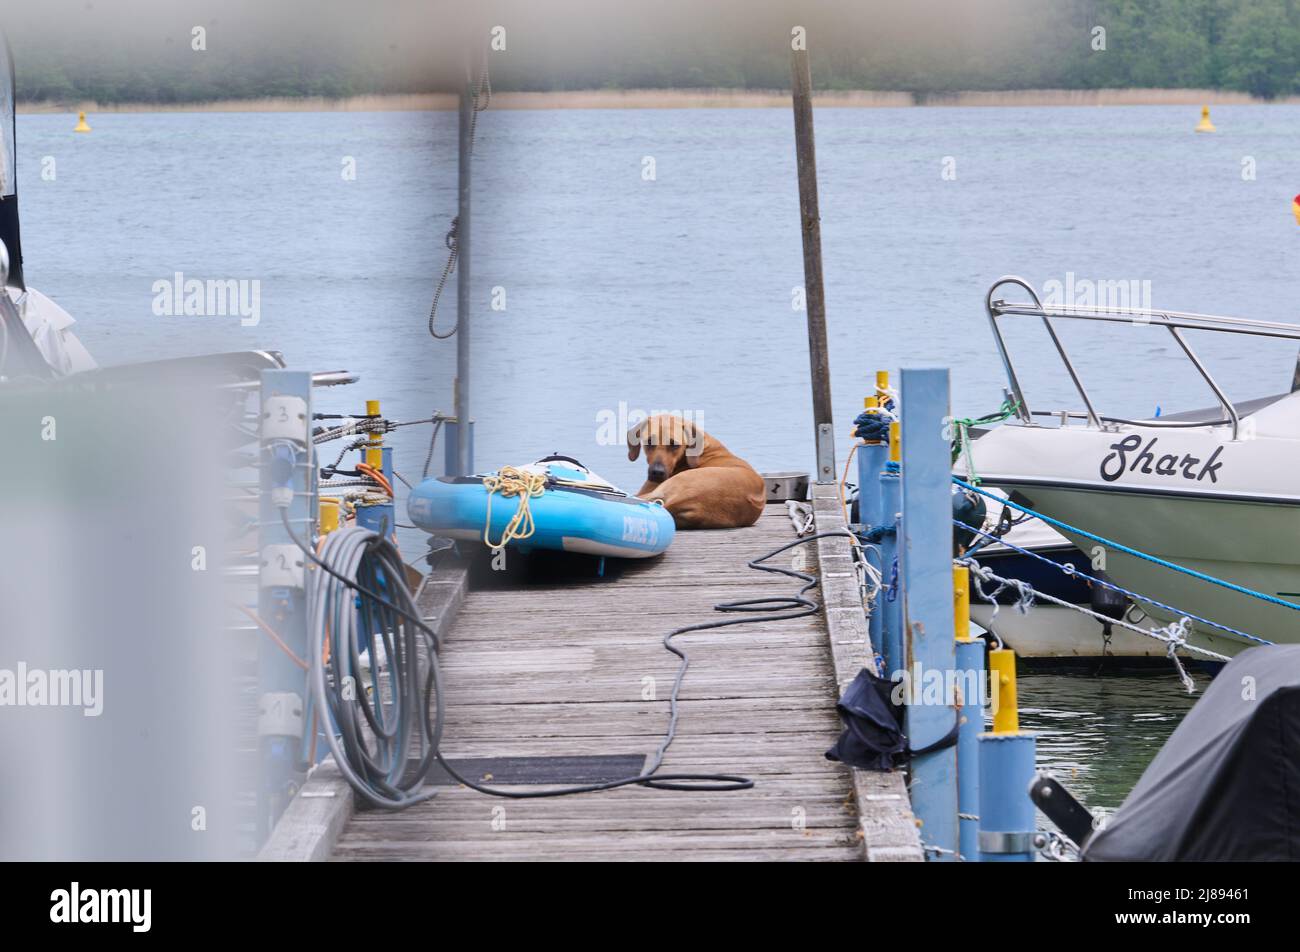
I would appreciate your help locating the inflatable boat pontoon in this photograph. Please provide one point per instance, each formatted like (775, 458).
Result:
(575, 511)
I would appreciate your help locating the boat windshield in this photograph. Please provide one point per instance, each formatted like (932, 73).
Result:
(1177, 323)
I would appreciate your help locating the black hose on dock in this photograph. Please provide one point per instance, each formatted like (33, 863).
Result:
(363, 562)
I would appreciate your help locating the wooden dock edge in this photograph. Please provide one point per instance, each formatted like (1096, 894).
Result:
(888, 826)
(314, 818)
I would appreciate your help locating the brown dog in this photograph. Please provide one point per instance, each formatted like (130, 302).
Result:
(698, 479)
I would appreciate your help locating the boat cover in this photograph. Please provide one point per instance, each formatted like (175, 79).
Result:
(1226, 785)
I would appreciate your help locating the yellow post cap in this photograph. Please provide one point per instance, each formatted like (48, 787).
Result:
(895, 442)
(1002, 672)
(373, 456)
(329, 515)
(961, 601)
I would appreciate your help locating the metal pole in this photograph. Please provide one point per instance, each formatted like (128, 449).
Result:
(1006, 769)
(814, 293)
(970, 670)
(925, 567)
(464, 462)
(872, 455)
(970, 667)
(380, 517)
(888, 629)
(1007, 818)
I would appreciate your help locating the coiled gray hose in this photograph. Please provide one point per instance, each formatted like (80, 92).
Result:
(376, 732)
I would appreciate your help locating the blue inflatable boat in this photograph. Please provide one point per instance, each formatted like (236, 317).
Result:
(555, 503)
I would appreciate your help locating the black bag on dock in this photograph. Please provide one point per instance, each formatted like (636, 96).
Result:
(873, 737)
(1226, 785)
(873, 732)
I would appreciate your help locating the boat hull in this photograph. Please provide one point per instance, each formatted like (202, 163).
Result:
(1240, 523)
(1052, 633)
(1189, 531)
(1047, 631)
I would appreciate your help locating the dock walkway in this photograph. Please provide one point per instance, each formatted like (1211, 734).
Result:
(578, 669)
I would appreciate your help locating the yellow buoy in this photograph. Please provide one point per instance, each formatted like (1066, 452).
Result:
(81, 123)
(1205, 125)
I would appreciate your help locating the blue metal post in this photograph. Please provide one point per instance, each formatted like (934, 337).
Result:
(871, 462)
(970, 664)
(287, 485)
(925, 566)
(887, 625)
(1006, 825)
(872, 456)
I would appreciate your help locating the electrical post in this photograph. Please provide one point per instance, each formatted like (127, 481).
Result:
(287, 484)
(814, 292)
(378, 517)
(925, 566)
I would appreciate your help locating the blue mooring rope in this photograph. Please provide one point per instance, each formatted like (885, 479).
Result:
(1231, 586)
(1076, 573)
(872, 426)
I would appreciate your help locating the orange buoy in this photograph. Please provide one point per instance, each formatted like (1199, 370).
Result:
(1295, 208)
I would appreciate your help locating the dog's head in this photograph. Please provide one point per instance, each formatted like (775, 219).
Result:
(671, 445)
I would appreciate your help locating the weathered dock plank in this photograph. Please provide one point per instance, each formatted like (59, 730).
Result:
(578, 668)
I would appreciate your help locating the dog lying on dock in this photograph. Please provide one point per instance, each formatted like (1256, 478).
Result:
(702, 483)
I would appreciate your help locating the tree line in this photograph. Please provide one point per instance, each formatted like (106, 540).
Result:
(1251, 46)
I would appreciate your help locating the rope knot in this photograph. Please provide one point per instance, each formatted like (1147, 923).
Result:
(511, 481)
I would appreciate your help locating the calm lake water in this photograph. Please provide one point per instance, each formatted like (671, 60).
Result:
(675, 292)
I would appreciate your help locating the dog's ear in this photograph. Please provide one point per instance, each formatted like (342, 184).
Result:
(634, 438)
(693, 438)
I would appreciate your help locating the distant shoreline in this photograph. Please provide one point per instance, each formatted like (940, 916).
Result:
(683, 99)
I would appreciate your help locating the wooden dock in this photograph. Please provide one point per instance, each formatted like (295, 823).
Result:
(578, 669)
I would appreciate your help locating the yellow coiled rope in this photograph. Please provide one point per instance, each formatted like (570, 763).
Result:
(511, 481)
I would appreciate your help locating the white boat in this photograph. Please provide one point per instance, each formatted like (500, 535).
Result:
(1216, 491)
(1045, 631)
(36, 338)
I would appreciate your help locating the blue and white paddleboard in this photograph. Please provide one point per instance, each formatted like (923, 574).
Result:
(577, 512)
